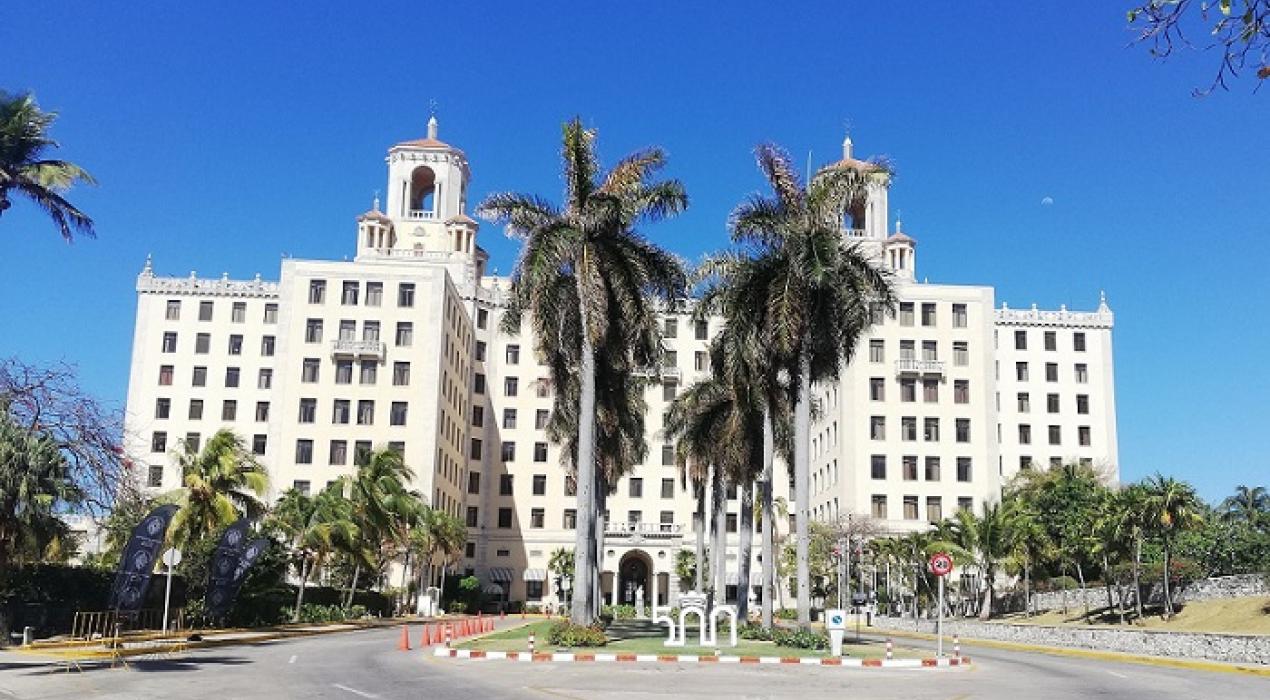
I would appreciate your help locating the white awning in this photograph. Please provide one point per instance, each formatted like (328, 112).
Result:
(500, 574)
(535, 575)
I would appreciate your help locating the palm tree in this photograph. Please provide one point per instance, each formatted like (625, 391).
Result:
(591, 245)
(1028, 543)
(383, 507)
(820, 294)
(34, 480)
(435, 537)
(1131, 525)
(25, 169)
(220, 484)
(986, 537)
(316, 528)
(1171, 507)
(1249, 504)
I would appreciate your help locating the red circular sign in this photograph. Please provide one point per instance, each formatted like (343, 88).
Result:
(941, 564)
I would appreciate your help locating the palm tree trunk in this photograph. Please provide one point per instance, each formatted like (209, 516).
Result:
(745, 549)
(352, 586)
(305, 572)
(1084, 596)
(719, 582)
(1137, 577)
(601, 523)
(1106, 578)
(769, 516)
(699, 525)
(1168, 599)
(802, 437)
(1027, 588)
(583, 612)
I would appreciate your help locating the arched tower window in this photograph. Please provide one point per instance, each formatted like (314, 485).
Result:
(423, 190)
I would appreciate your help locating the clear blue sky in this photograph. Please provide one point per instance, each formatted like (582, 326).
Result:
(224, 138)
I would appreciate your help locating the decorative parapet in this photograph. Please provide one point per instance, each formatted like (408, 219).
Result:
(149, 283)
(1102, 318)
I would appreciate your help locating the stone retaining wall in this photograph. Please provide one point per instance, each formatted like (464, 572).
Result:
(1208, 589)
(1251, 649)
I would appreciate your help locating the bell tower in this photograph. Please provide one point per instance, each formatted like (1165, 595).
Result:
(427, 197)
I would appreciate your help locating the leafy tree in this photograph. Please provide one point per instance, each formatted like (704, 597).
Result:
(1171, 507)
(219, 484)
(383, 508)
(592, 245)
(819, 294)
(34, 483)
(1239, 29)
(987, 539)
(1249, 504)
(315, 528)
(26, 169)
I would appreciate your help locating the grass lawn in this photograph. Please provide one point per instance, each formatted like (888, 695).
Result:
(516, 639)
(1250, 615)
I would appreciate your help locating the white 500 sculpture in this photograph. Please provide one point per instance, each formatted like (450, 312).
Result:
(694, 603)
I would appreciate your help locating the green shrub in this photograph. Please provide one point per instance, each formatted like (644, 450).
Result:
(456, 607)
(754, 631)
(620, 612)
(567, 634)
(315, 612)
(800, 639)
(787, 614)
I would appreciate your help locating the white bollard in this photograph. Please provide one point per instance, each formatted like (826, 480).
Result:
(956, 646)
(890, 653)
(531, 643)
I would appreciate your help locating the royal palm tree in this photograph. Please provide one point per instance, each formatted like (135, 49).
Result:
(1171, 507)
(316, 527)
(26, 169)
(219, 484)
(819, 294)
(591, 243)
(1249, 504)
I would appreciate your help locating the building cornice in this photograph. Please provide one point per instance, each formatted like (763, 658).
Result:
(149, 283)
(1062, 318)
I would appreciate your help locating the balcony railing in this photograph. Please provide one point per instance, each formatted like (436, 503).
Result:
(855, 233)
(667, 374)
(359, 348)
(647, 531)
(914, 366)
(422, 214)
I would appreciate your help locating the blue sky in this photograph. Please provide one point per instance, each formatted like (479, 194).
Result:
(226, 137)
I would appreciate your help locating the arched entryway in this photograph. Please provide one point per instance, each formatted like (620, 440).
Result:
(635, 570)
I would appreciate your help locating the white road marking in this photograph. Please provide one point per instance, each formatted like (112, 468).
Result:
(292, 659)
(1117, 675)
(354, 691)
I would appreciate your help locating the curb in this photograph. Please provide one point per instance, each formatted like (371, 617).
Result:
(565, 657)
(1118, 656)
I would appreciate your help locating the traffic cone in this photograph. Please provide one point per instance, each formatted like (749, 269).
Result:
(404, 644)
(423, 637)
(502, 614)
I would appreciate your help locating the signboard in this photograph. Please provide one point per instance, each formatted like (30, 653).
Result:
(835, 619)
(941, 564)
(137, 563)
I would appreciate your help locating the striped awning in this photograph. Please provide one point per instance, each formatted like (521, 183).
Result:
(500, 574)
(492, 589)
(535, 575)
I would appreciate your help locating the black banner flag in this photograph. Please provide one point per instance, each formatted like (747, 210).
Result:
(137, 564)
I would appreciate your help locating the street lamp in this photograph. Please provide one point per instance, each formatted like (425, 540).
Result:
(566, 583)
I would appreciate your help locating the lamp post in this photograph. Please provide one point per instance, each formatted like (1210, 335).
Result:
(566, 584)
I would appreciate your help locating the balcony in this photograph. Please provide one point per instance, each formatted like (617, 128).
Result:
(358, 348)
(919, 367)
(665, 374)
(421, 214)
(637, 532)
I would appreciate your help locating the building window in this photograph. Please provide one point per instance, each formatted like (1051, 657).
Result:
(266, 346)
(341, 409)
(374, 293)
(1025, 463)
(202, 343)
(193, 441)
(259, 443)
(1025, 402)
(540, 452)
(474, 482)
(339, 452)
(200, 377)
(1051, 371)
(1082, 373)
(512, 354)
(511, 386)
(509, 418)
(370, 372)
(959, 315)
(155, 477)
(906, 313)
(1056, 462)
(482, 318)
(169, 342)
(636, 486)
(667, 455)
(930, 350)
(262, 411)
(473, 516)
(934, 509)
(205, 310)
(235, 345)
(165, 375)
(961, 391)
(405, 295)
(1078, 342)
(271, 313)
(965, 503)
(1025, 434)
(1020, 340)
(1051, 403)
(570, 486)
(699, 362)
(909, 463)
(361, 451)
(877, 427)
(478, 416)
(1020, 371)
(930, 430)
(879, 506)
(478, 383)
(908, 428)
(570, 519)
(877, 350)
(370, 331)
(405, 334)
(1082, 403)
(932, 469)
(908, 390)
(877, 389)
(365, 412)
(304, 452)
(480, 351)
(963, 469)
(159, 441)
(961, 353)
(504, 518)
(343, 371)
(928, 314)
(196, 409)
(397, 414)
(667, 488)
(173, 312)
(701, 330)
(508, 452)
(1051, 340)
(474, 451)
(317, 291)
(910, 507)
(162, 408)
(540, 484)
(308, 410)
(1056, 435)
(400, 374)
(930, 390)
(669, 391)
(1083, 437)
(537, 518)
(309, 370)
(229, 410)
(878, 467)
(313, 330)
(963, 430)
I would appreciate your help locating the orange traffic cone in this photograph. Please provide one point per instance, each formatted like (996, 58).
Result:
(404, 644)
(423, 637)
(502, 614)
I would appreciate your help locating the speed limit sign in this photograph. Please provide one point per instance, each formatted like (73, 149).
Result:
(941, 564)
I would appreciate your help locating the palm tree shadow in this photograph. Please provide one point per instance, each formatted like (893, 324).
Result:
(159, 665)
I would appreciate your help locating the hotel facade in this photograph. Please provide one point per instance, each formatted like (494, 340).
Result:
(401, 347)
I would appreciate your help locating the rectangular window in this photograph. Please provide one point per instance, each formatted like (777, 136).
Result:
(370, 331)
(397, 414)
(1078, 342)
(238, 312)
(667, 488)
(262, 411)
(309, 370)
(317, 291)
(570, 519)
(934, 509)
(877, 389)
(511, 386)
(196, 409)
(537, 520)
(908, 428)
(400, 374)
(633, 517)
(480, 351)
(731, 522)
(361, 450)
(1056, 462)
(908, 390)
(504, 518)
(1025, 434)
(159, 441)
(1082, 373)
(961, 353)
(205, 310)
(906, 313)
(701, 330)
(169, 342)
(1051, 340)
(482, 318)
(930, 350)
(910, 507)
(229, 410)
(370, 372)
(1020, 340)
(1083, 436)
(961, 391)
(365, 412)
(667, 455)
(1051, 371)
(959, 315)
(1082, 404)
(259, 443)
(906, 350)
(478, 383)
(1051, 403)
(932, 469)
(509, 418)
(879, 506)
(235, 345)
(505, 484)
(308, 410)
(162, 408)
(313, 330)
(930, 430)
(1025, 402)
(266, 346)
(339, 452)
(474, 482)
(348, 329)
(1025, 463)
(478, 416)
(540, 452)
(341, 408)
(474, 452)
(165, 375)
(930, 390)
(540, 484)
(666, 519)
(963, 430)
(200, 376)
(405, 295)
(231, 377)
(512, 354)
(570, 486)
(928, 314)
(963, 469)
(173, 312)
(202, 343)
(909, 463)
(636, 486)
(343, 371)
(877, 427)
(1056, 435)
(374, 293)
(508, 451)
(473, 516)
(271, 313)
(405, 334)
(669, 391)
(304, 452)
(965, 503)
(264, 379)
(877, 350)
(1020, 371)
(878, 467)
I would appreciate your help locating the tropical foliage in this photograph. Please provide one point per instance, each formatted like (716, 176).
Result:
(27, 170)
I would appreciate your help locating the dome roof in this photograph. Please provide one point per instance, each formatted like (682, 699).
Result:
(376, 215)
(462, 219)
(430, 142)
(898, 237)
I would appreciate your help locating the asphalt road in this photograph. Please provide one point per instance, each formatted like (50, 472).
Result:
(365, 665)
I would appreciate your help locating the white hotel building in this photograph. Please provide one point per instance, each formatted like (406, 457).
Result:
(400, 347)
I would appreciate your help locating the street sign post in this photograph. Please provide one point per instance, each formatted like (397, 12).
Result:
(941, 565)
(171, 558)
(836, 623)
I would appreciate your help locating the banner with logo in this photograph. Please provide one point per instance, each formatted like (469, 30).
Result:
(224, 563)
(132, 581)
